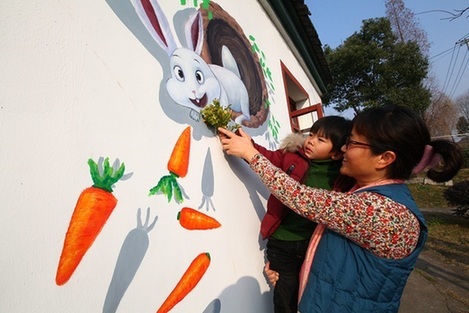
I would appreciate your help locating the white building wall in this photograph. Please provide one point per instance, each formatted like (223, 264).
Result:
(77, 83)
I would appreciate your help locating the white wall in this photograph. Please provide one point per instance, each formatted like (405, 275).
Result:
(77, 83)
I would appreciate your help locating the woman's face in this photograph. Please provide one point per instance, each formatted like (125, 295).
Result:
(359, 162)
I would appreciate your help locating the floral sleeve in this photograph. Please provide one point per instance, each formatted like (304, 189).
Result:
(375, 222)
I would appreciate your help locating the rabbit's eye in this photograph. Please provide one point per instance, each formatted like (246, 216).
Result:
(199, 76)
(178, 73)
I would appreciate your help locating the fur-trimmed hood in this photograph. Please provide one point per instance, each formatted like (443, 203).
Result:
(293, 142)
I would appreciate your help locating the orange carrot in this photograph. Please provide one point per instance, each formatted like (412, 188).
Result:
(178, 165)
(179, 161)
(188, 281)
(93, 208)
(192, 219)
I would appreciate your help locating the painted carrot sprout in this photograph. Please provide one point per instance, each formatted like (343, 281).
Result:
(178, 165)
(188, 281)
(194, 220)
(93, 208)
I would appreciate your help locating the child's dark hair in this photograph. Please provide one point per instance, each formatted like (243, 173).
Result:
(401, 130)
(334, 128)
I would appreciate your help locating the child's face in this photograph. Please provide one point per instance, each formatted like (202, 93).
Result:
(318, 147)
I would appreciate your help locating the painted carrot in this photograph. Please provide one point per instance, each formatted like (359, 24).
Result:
(93, 208)
(178, 165)
(192, 219)
(188, 281)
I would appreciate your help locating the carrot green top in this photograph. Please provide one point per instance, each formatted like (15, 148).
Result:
(108, 177)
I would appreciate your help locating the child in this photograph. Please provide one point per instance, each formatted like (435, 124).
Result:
(315, 162)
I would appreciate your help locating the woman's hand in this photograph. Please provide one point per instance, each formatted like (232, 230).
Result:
(240, 146)
(272, 275)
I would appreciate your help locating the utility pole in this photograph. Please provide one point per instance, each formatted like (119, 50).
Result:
(463, 41)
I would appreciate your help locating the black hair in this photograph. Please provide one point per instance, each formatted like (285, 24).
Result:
(334, 128)
(401, 130)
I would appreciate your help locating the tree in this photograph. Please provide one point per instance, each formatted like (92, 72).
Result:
(407, 28)
(405, 25)
(372, 68)
(441, 115)
(463, 103)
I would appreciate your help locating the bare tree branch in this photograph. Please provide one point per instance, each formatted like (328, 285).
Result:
(454, 15)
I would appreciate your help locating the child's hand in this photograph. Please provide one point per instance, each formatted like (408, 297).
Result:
(272, 275)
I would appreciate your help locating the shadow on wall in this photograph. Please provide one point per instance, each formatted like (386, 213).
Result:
(130, 257)
(245, 296)
(207, 183)
(254, 187)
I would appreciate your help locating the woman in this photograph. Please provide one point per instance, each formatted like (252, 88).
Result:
(374, 233)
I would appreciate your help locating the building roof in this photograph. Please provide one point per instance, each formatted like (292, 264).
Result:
(294, 16)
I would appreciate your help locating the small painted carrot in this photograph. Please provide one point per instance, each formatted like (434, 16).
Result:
(93, 208)
(178, 166)
(188, 281)
(192, 219)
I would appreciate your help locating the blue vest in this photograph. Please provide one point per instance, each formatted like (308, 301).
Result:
(347, 278)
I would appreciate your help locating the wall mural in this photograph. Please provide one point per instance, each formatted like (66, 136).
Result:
(192, 220)
(178, 166)
(188, 281)
(94, 206)
(216, 63)
(217, 54)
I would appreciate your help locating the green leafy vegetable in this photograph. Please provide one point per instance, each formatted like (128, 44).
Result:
(215, 115)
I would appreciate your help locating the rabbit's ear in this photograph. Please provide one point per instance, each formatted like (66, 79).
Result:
(194, 32)
(155, 21)
(228, 61)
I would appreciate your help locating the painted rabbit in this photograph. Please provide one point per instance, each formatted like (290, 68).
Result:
(193, 82)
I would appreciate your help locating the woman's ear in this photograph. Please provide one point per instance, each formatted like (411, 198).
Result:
(386, 159)
(337, 155)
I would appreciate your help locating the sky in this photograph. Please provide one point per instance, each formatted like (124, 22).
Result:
(336, 20)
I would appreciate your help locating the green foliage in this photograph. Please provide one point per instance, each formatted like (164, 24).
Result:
(215, 115)
(371, 68)
(104, 175)
(169, 186)
(457, 195)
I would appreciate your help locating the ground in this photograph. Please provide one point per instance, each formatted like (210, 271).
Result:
(436, 286)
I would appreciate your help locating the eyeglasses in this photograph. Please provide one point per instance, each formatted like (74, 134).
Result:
(349, 142)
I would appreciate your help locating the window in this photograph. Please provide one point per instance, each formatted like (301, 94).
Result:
(302, 113)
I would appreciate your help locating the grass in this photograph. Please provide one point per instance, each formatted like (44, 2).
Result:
(448, 234)
(428, 196)
(431, 196)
